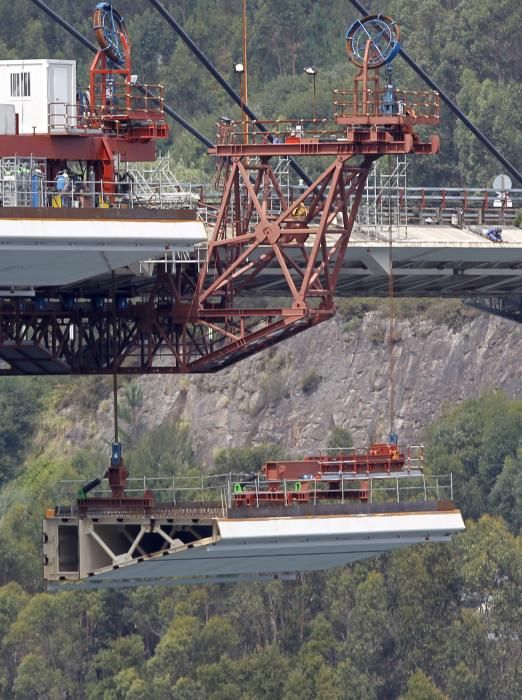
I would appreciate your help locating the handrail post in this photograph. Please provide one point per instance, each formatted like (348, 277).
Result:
(397, 486)
(451, 485)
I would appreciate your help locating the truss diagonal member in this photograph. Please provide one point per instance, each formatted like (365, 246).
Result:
(222, 331)
(300, 270)
(253, 268)
(304, 195)
(245, 221)
(336, 173)
(357, 182)
(288, 277)
(225, 277)
(220, 225)
(350, 220)
(277, 188)
(253, 194)
(168, 342)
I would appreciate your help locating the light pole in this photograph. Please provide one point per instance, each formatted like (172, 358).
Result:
(239, 68)
(312, 70)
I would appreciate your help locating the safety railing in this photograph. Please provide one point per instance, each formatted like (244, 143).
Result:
(24, 188)
(277, 131)
(413, 106)
(30, 189)
(237, 490)
(121, 102)
(396, 487)
(411, 457)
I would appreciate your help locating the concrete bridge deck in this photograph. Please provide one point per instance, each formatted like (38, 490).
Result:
(428, 260)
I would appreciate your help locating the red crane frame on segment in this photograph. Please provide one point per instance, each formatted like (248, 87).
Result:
(337, 475)
(117, 103)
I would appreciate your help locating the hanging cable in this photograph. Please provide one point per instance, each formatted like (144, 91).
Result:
(391, 311)
(220, 79)
(114, 362)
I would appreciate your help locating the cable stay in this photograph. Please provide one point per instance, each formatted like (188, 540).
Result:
(222, 81)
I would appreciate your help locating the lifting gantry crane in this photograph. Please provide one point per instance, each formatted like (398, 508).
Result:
(303, 241)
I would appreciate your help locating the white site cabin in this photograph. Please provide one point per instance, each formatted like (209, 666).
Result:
(43, 92)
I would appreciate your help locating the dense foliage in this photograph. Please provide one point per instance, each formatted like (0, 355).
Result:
(430, 622)
(468, 46)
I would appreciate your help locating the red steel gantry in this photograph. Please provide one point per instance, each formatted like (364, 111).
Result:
(189, 322)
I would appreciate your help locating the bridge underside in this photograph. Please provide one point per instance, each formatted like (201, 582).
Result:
(146, 321)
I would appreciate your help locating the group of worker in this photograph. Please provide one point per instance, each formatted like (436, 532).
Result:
(70, 190)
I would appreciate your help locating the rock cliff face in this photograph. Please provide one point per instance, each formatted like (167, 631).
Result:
(296, 393)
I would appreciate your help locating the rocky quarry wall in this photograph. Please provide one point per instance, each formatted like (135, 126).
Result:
(337, 374)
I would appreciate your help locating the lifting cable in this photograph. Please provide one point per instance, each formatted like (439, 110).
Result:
(89, 45)
(449, 102)
(115, 363)
(391, 308)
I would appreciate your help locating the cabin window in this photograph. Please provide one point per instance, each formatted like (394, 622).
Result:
(20, 85)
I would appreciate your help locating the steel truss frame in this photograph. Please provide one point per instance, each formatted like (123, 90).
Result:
(185, 323)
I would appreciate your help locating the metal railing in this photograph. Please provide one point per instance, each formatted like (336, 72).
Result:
(419, 107)
(231, 489)
(396, 487)
(122, 102)
(413, 456)
(27, 189)
(277, 131)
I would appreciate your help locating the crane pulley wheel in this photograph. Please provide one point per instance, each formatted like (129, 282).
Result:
(377, 33)
(111, 34)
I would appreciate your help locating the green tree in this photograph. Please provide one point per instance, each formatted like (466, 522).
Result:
(175, 653)
(370, 636)
(34, 679)
(493, 107)
(473, 441)
(130, 409)
(117, 665)
(246, 460)
(339, 437)
(217, 637)
(20, 402)
(164, 451)
(421, 687)
(505, 498)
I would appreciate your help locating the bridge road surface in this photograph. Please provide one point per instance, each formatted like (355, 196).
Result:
(428, 260)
